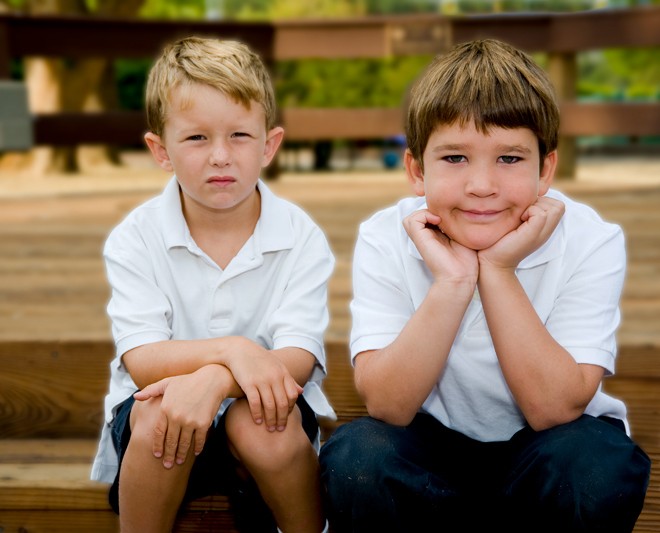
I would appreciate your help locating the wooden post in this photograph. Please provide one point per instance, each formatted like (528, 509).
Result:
(562, 68)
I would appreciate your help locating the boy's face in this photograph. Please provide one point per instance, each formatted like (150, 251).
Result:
(480, 185)
(215, 146)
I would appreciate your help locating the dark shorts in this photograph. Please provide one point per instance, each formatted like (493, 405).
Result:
(215, 457)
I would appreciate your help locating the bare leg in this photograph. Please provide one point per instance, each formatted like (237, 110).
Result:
(284, 465)
(149, 494)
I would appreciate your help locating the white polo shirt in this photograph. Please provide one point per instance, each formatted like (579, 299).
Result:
(574, 282)
(164, 286)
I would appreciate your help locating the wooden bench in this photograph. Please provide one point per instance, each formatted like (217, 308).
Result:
(51, 396)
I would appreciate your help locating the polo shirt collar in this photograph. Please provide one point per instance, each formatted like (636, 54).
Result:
(274, 230)
(275, 227)
(175, 229)
(550, 249)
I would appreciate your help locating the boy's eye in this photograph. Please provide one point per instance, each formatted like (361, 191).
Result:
(240, 134)
(509, 159)
(196, 137)
(455, 158)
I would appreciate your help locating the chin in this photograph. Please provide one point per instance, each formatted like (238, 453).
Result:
(476, 244)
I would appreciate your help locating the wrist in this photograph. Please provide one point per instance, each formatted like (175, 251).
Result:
(226, 348)
(458, 289)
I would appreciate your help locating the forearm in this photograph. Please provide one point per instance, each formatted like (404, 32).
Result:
(152, 362)
(549, 386)
(396, 380)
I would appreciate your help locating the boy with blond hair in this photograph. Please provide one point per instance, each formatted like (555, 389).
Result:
(218, 309)
(484, 320)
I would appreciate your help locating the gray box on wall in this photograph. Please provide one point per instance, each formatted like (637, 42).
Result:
(16, 132)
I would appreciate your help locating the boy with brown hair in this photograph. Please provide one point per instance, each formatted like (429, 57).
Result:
(218, 309)
(484, 320)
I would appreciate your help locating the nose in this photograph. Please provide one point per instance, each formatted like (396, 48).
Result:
(481, 182)
(220, 155)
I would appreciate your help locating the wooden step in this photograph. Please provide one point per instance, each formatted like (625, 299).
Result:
(55, 346)
(45, 487)
(54, 390)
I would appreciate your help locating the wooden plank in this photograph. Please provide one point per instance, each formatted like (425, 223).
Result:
(47, 451)
(68, 521)
(53, 389)
(120, 38)
(565, 32)
(302, 124)
(635, 119)
(310, 124)
(110, 127)
(330, 40)
(362, 37)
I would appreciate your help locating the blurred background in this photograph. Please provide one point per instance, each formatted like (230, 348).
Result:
(72, 84)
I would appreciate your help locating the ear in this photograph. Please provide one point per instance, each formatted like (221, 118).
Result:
(273, 140)
(547, 172)
(414, 172)
(158, 151)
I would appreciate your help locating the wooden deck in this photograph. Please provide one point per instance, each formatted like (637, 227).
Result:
(55, 342)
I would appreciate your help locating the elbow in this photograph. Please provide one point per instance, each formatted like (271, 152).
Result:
(541, 419)
(396, 415)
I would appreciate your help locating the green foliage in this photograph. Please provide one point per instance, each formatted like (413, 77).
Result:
(174, 9)
(620, 74)
(347, 83)
(131, 76)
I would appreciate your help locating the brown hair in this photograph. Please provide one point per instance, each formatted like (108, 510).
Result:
(228, 66)
(488, 82)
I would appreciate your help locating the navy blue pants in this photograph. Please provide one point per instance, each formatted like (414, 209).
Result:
(584, 476)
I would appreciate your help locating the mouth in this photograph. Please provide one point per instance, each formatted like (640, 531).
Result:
(480, 215)
(221, 181)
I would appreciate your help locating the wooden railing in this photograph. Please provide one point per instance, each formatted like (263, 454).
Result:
(561, 36)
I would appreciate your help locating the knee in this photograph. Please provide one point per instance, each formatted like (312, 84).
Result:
(143, 419)
(588, 471)
(254, 445)
(357, 454)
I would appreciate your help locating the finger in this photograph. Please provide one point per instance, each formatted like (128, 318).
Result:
(254, 403)
(269, 408)
(282, 407)
(171, 444)
(293, 391)
(183, 445)
(146, 393)
(152, 391)
(200, 440)
(159, 436)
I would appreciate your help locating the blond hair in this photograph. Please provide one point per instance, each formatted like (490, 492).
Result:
(489, 83)
(228, 66)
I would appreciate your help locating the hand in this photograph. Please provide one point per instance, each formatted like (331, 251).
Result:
(188, 406)
(268, 386)
(445, 258)
(538, 222)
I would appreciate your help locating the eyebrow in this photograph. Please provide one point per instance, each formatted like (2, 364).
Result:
(514, 148)
(500, 148)
(449, 147)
